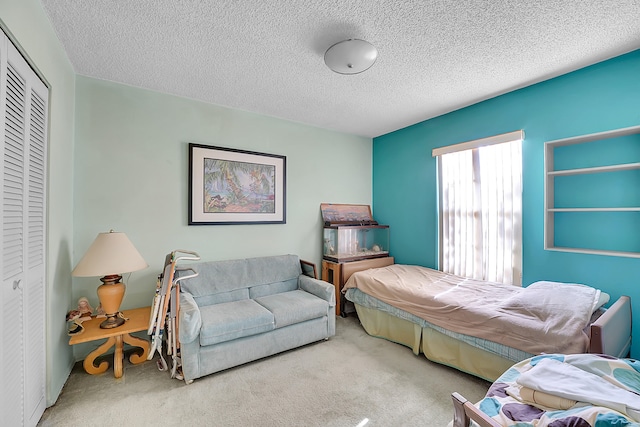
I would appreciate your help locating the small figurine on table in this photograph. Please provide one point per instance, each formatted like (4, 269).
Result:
(100, 312)
(74, 324)
(85, 309)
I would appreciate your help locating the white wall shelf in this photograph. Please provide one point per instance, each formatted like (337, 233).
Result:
(550, 192)
(631, 209)
(599, 169)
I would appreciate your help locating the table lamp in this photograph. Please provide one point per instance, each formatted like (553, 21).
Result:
(110, 255)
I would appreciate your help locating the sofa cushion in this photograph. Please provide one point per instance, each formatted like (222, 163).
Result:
(216, 277)
(231, 320)
(293, 307)
(222, 297)
(273, 288)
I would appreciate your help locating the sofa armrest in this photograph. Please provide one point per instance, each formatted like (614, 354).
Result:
(322, 290)
(190, 320)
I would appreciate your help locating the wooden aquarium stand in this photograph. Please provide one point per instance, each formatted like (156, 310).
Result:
(337, 273)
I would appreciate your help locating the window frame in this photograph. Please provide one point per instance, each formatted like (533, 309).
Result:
(471, 145)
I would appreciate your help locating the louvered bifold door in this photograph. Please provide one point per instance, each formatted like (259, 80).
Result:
(14, 89)
(22, 328)
(34, 301)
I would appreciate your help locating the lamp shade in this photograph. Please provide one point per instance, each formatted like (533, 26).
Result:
(110, 253)
(351, 56)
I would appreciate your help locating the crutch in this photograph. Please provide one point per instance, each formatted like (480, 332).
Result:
(158, 314)
(175, 257)
(173, 321)
(155, 328)
(161, 306)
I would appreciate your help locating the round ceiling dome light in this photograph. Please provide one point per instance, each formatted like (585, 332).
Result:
(351, 56)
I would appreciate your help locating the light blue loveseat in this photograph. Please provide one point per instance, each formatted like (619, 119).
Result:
(241, 310)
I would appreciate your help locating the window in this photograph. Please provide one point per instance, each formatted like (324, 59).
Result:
(480, 208)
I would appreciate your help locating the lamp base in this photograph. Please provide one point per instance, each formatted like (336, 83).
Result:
(110, 294)
(112, 321)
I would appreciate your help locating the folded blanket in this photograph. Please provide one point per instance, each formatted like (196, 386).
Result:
(540, 399)
(569, 382)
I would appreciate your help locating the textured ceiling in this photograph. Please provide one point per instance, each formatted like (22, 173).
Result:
(267, 56)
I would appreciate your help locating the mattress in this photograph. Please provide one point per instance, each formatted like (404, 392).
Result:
(360, 298)
(543, 317)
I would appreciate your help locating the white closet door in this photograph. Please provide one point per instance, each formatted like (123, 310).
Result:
(34, 298)
(14, 96)
(23, 206)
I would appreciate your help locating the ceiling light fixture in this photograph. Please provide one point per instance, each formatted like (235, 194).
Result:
(351, 56)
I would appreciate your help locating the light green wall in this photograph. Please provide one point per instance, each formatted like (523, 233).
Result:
(131, 175)
(29, 27)
(131, 172)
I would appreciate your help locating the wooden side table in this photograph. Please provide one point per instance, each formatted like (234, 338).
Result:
(138, 321)
(337, 273)
(331, 273)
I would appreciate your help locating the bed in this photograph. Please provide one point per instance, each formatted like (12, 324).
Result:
(558, 390)
(451, 336)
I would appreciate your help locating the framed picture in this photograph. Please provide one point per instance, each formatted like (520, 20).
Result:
(309, 269)
(228, 186)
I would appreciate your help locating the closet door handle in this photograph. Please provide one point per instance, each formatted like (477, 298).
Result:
(16, 284)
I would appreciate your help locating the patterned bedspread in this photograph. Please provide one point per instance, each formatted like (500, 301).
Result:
(581, 390)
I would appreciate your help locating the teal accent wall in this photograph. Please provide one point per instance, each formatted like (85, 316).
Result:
(598, 98)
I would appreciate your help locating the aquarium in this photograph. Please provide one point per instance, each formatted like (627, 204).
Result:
(355, 242)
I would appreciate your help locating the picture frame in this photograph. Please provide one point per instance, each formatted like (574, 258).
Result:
(229, 186)
(308, 269)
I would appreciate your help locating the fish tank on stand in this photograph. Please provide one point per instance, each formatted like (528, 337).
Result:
(350, 234)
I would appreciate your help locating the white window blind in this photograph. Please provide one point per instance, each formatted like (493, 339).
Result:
(480, 208)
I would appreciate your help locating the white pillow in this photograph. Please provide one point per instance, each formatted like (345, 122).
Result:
(602, 300)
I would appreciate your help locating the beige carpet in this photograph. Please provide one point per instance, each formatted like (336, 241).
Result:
(351, 380)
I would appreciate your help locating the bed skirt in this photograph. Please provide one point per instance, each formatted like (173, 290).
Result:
(436, 346)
